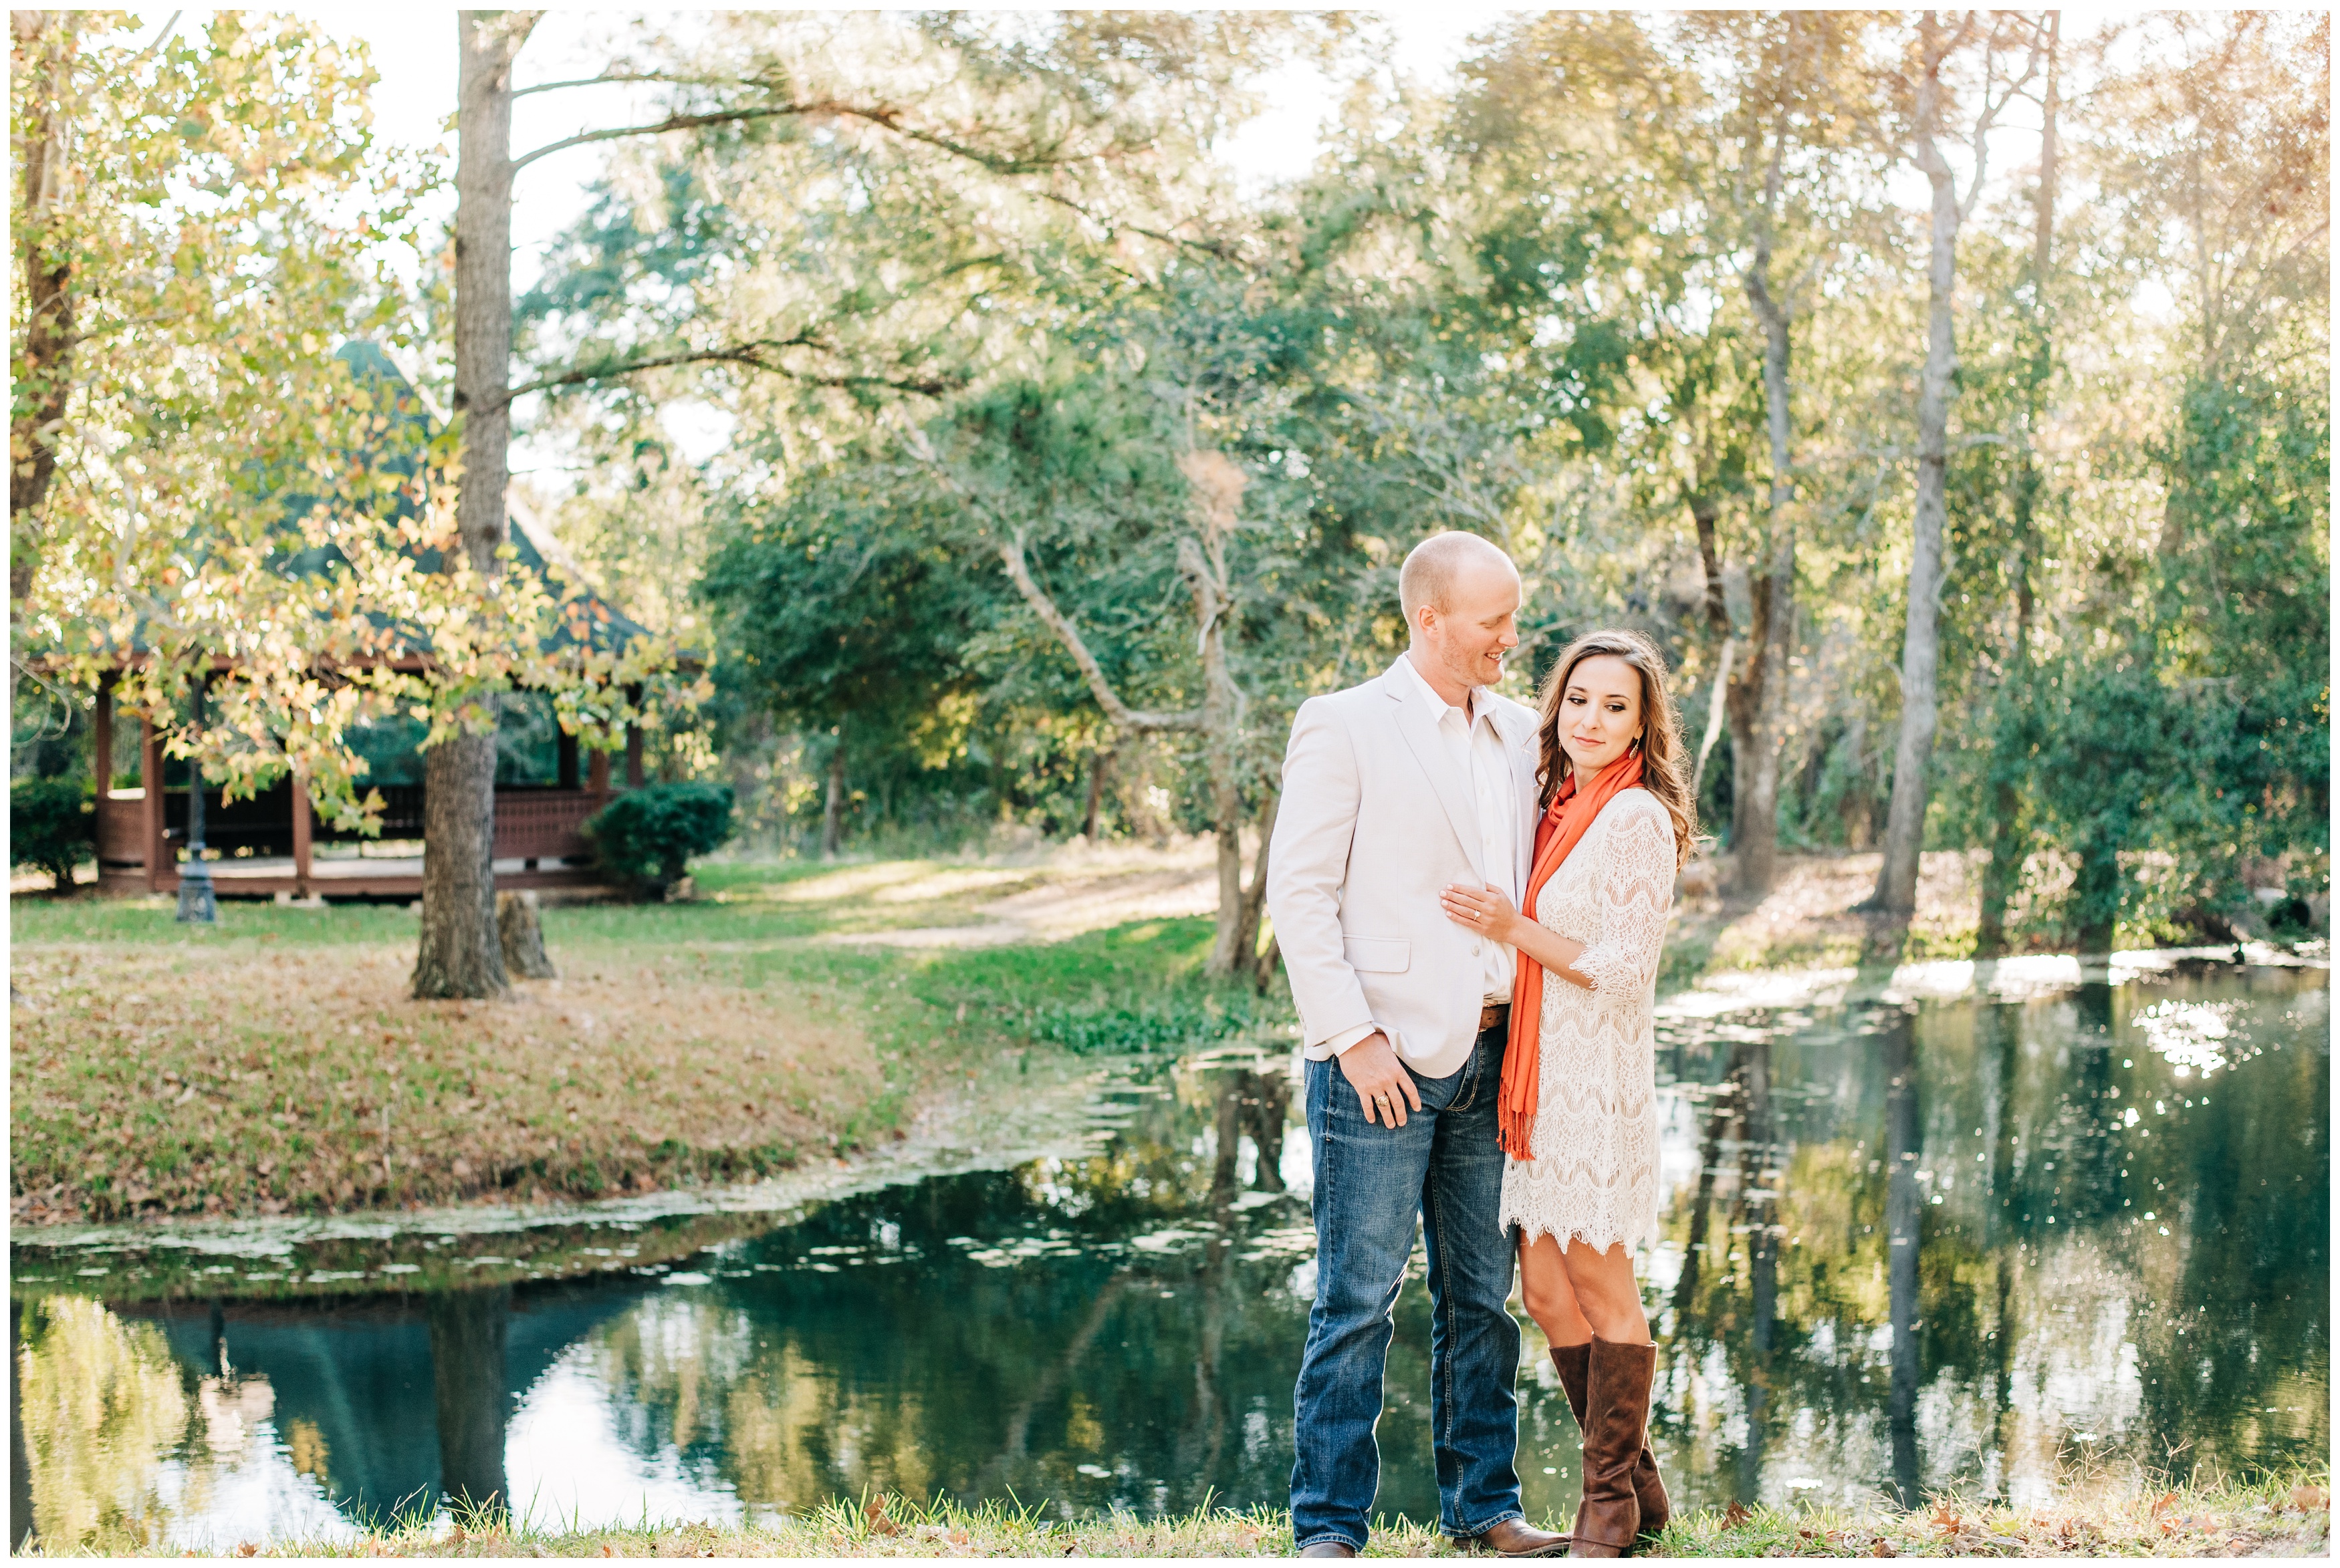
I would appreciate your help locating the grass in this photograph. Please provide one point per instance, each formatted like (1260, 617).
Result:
(276, 1065)
(2286, 1515)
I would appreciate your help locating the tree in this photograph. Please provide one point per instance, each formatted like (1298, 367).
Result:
(2206, 639)
(849, 612)
(1936, 52)
(1095, 464)
(461, 952)
(183, 223)
(1065, 130)
(2015, 732)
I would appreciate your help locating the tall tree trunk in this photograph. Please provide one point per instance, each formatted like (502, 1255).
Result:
(1743, 705)
(1896, 899)
(2096, 893)
(2011, 744)
(1222, 713)
(1099, 763)
(42, 59)
(1218, 486)
(461, 953)
(1755, 863)
(832, 813)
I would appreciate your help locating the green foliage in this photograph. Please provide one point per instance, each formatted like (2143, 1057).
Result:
(52, 823)
(647, 836)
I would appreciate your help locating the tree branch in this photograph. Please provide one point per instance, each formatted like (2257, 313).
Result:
(749, 354)
(614, 78)
(885, 119)
(1138, 720)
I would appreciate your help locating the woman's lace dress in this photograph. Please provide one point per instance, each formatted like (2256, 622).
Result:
(1594, 1177)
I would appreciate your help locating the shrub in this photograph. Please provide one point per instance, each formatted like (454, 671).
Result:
(52, 822)
(646, 837)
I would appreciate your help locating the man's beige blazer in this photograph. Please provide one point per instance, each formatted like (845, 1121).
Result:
(1376, 818)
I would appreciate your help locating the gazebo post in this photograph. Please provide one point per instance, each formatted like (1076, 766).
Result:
(102, 740)
(197, 904)
(567, 765)
(301, 830)
(634, 741)
(597, 773)
(149, 776)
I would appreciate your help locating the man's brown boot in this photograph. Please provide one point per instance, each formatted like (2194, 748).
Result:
(1616, 1409)
(1573, 1362)
(1516, 1538)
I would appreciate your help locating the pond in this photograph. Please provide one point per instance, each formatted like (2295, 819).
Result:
(1986, 1243)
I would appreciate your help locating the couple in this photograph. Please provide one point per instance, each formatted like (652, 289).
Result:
(1471, 897)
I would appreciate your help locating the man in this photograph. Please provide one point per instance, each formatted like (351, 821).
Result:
(1393, 791)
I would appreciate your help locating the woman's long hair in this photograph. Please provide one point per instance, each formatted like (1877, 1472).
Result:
(1660, 743)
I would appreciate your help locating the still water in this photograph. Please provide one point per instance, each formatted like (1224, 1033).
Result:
(1978, 1242)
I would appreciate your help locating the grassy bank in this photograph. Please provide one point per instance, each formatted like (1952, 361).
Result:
(2278, 1516)
(276, 1064)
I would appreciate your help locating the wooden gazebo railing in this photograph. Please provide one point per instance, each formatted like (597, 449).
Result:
(266, 843)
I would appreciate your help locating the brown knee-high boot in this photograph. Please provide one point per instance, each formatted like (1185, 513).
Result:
(1573, 1362)
(1617, 1412)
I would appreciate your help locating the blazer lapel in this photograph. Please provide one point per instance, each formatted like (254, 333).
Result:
(1420, 729)
(1520, 738)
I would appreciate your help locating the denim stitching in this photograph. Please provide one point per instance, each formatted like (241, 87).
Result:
(1445, 1304)
(1472, 1531)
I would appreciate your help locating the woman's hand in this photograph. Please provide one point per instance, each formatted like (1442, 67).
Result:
(1485, 911)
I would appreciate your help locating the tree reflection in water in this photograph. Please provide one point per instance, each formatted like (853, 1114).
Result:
(1919, 1248)
(468, 1330)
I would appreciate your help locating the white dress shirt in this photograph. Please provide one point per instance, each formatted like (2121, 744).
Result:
(1477, 748)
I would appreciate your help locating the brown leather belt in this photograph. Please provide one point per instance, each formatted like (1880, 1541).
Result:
(1493, 1013)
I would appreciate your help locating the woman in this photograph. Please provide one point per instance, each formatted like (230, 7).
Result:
(1579, 1106)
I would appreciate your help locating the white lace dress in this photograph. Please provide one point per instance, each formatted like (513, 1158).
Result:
(1594, 1177)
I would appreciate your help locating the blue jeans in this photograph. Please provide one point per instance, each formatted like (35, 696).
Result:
(1371, 1182)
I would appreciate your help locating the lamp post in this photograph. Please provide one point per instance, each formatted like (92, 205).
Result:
(197, 905)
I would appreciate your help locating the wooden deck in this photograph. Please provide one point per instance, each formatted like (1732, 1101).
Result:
(268, 844)
(369, 877)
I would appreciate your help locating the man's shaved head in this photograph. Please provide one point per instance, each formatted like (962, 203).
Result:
(1433, 566)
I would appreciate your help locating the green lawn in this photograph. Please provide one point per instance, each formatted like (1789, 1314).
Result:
(275, 1064)
(2279, 1516)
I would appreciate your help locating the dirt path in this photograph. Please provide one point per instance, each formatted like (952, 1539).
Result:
(1074, 890)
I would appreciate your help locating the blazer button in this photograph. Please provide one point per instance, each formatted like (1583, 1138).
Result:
(1474, 947)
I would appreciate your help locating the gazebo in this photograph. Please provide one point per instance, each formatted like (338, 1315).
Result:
(267, 845)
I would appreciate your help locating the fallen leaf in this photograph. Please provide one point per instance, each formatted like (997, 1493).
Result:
(1881, 1547)
(1734, 1516)
(2308, 1499)
(1947, 1518)
(247, 1548)
(2163, 1501)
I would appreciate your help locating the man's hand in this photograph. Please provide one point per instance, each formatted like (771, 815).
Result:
(1381, 1081)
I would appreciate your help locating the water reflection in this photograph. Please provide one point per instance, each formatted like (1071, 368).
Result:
(1905, 1248)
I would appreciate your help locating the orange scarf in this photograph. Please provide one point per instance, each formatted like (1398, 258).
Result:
(1561, 829)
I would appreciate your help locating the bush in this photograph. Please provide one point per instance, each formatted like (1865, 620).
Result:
(645, 837)
(52, 823)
